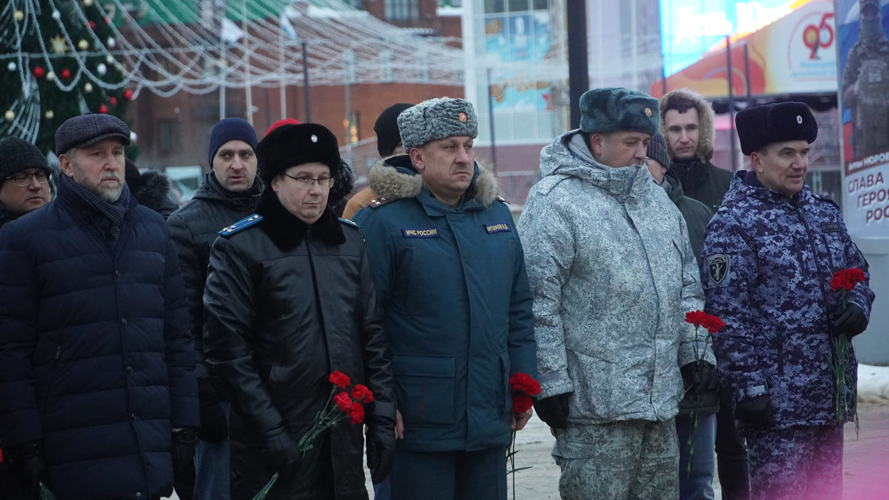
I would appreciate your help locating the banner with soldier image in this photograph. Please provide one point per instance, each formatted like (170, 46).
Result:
(863, 55)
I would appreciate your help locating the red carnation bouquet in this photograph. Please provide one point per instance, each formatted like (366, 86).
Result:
(346, 405)
(711, 325)
(844, 281)
(524, 388)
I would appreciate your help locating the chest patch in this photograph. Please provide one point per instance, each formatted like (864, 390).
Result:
(718, 268)
(497, 228)
(831, 227)
(431, 232)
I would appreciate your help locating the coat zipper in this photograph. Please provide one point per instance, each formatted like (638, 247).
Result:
(818, 278)
(52, 377)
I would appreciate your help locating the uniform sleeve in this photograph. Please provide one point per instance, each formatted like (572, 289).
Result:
(522, 344)
(729, 272)
(229, 336)
(549, 254)
(861, 295)
(19, 310)
(850, 78)
(194, 275)
(376, 357)
(380, 253)
(693, 344)
(179, 348)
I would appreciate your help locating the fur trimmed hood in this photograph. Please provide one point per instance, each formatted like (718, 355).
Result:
(395, 178)
(705, 117)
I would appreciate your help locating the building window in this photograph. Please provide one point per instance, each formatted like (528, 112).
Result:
(167, 136)
(403, 10)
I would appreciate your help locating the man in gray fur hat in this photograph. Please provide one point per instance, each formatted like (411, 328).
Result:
(448, 267)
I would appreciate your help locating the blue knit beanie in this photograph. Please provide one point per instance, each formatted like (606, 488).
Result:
(230, 129)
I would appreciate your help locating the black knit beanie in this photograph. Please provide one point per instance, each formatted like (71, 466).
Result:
(17, 155)
(386, 128)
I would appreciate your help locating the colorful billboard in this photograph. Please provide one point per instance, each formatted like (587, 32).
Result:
(864, 88)
(794, 54)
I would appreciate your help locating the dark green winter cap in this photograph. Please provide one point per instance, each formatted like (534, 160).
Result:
(603, 111)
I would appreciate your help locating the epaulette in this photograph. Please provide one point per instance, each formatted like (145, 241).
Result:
(377, 203)
(347, 221)
(241, 224)
(502, 199)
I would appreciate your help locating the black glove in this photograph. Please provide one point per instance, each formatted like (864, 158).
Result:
(280, 451)
(554, 410)
(28, 467)
(756, 412)
(852, 322)
(700, 378)
(380, 447)
(214, 425)
(184, 443)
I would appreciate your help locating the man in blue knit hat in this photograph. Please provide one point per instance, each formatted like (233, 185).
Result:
(229, 193)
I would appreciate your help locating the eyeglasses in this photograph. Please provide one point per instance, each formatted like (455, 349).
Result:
(308, 182)
(24, 178)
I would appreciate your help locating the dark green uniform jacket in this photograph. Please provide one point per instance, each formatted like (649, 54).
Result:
(457, 306)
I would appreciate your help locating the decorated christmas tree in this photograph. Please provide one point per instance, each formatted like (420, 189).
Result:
(57, 60)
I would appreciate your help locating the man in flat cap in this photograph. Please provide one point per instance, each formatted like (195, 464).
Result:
(98, 395)
(769, 256)
(613, 274)
(449, 269)
(24, 179)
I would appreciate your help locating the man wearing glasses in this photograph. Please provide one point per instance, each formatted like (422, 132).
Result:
(25, 176)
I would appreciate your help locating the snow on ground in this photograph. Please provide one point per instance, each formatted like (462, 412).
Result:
(873, 384)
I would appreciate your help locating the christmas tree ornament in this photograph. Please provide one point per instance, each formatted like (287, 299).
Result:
(133, 136)
(109, 59)
(19, 16)
(50, 76)
(107, 20)
(113, 101)
(128, 94)
(11, 66)
(87, 3)
(110, 42)
(59, 45)
(49, 115)
(103, 109)
(102, 69)
(56, 15)
(83, 45)
(92, 25)
(66, 73)
(39, 72)
(10, 116)
(88, 87)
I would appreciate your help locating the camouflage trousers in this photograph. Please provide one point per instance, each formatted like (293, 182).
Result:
(635, 459)
(799, 463)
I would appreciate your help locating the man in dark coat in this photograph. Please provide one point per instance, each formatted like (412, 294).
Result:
(449, 267)
(288, 301)
(768, 263)
(24, 179)
(98, 396)
(151, 189)
(229, 193)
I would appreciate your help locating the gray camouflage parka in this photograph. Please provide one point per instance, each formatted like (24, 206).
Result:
(613, 274)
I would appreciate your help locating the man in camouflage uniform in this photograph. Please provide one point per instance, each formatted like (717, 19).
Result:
(866, 83)
(613, 274)
(769, 256)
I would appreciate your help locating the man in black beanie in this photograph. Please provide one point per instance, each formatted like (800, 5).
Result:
(388, 144)
(24, 179)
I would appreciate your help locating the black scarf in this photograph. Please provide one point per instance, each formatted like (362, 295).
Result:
(111, 214)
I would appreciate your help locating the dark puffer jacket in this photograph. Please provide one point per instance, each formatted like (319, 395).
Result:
(95, 356)
(286, 304)
(194, 228)
(154, 193)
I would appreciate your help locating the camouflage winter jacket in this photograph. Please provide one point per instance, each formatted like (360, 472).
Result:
(767, 266)
(612, 274)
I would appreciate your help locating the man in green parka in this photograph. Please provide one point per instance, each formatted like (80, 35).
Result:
(449, 270)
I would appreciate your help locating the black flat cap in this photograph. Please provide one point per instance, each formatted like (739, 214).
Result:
(763, 125)
(89, 129)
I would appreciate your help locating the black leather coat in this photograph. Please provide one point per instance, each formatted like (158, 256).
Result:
(286, 304)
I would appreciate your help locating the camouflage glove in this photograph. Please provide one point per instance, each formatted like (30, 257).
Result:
(554, 410)
(852, 322)
(756, 412)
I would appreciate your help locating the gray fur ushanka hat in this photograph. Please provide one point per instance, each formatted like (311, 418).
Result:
(436, 119)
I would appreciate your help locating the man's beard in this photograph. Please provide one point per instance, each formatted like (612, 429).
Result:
(108, 194)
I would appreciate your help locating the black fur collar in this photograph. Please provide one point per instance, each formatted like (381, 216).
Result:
(287, 231)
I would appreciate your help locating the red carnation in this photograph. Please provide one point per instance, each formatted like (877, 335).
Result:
(343, 402)
(846, 279)
(340, 379)
(696, 318)
(357, 413)
(362, 393)
(713, 324)
(523, 383)
(521, 403)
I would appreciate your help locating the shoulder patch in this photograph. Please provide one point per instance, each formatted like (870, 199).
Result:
(241, 224)
(718, 269)
(375, 203)
(349, 223)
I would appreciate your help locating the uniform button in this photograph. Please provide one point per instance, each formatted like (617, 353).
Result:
(138, 494)
(123, 321)
(129, 369)
(117, 273)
